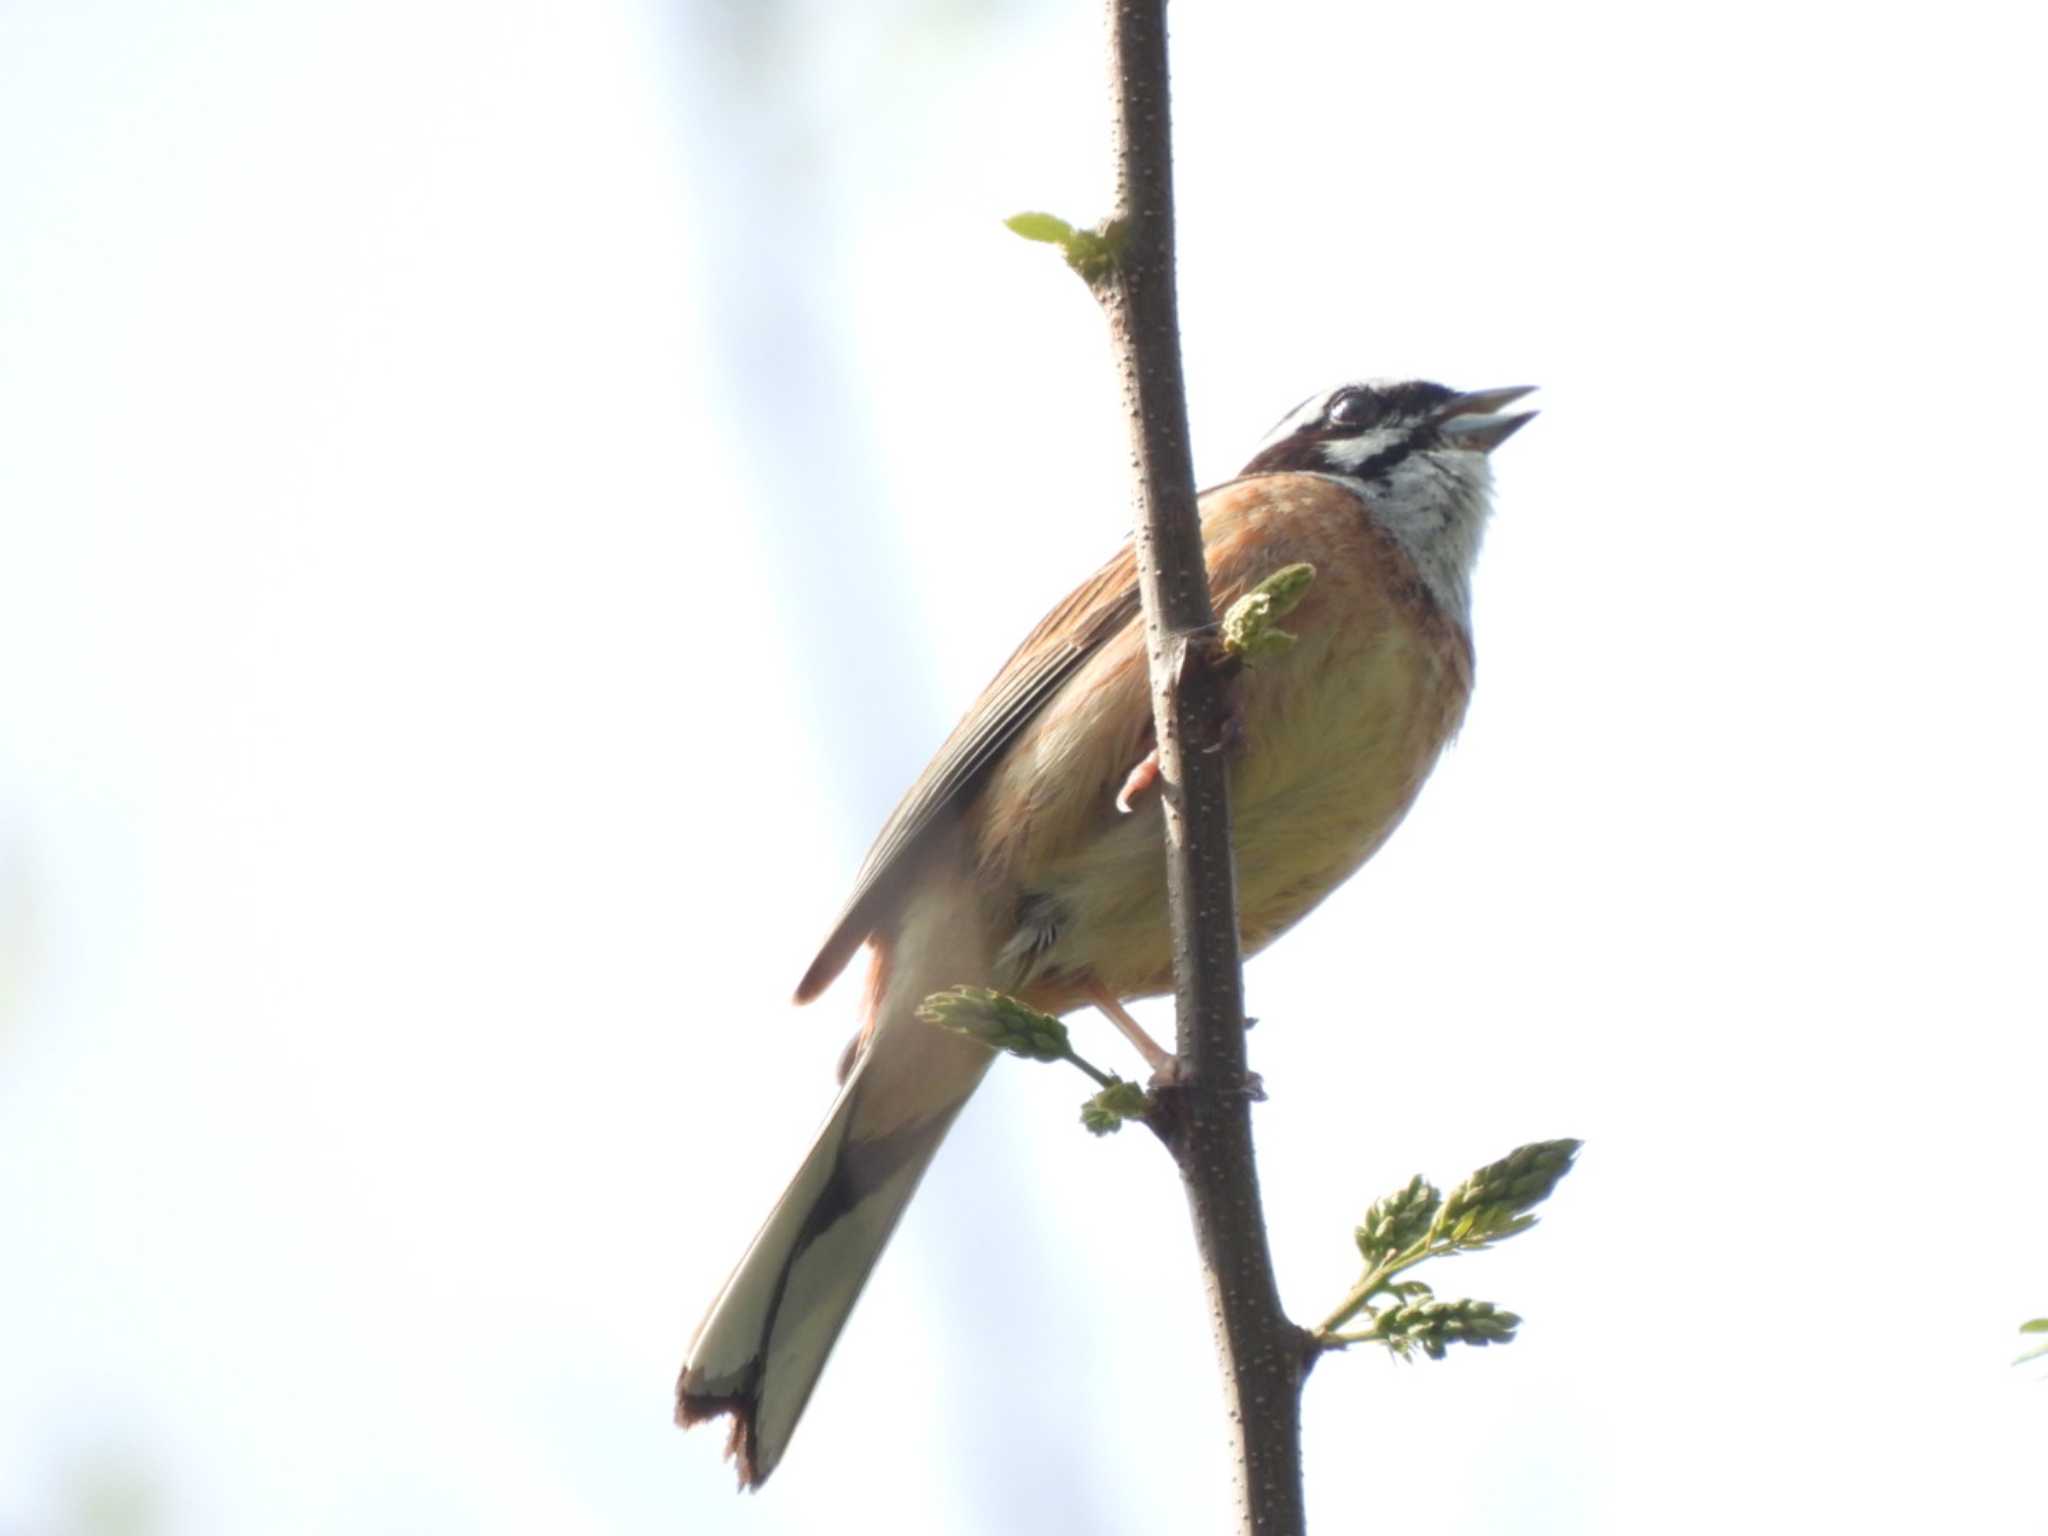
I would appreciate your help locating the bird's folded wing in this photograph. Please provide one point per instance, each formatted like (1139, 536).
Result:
(1050, 654)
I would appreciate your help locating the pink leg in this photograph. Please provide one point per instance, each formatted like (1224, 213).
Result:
(1164, 1064)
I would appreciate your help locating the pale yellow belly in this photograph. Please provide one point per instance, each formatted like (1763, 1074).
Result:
(1338, 737)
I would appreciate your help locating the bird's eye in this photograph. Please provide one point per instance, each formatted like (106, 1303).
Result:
(1353, 408)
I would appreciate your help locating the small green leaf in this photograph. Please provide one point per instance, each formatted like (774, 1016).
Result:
(1250, 626)
(1046, 228)
(2035, 1325)
(1105, 1114)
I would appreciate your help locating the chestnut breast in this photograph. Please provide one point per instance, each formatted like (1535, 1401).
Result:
(1338, 734)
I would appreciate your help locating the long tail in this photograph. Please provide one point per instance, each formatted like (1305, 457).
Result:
(760, 1350)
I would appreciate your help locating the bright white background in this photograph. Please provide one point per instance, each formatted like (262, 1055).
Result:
(499, 498)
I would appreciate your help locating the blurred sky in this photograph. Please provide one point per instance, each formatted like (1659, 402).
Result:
(497, 499)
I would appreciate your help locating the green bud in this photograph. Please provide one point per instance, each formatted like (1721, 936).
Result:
(1094, 253)
(999, 1020)
(1490, 1204)
(1397, 1221)
(1433, 1326)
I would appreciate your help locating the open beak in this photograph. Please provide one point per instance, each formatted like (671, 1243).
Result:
(1474, 420)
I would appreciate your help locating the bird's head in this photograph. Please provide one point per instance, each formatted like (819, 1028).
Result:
(1369, 430)
(1417, 453)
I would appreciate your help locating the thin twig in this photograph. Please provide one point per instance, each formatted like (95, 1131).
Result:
(1206, 1118)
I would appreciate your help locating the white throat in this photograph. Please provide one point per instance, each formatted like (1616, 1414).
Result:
(1435, 503)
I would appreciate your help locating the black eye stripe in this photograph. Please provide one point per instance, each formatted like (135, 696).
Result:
(1403, 413)
(1383, 462)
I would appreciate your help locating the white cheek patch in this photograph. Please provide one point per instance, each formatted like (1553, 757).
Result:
(1345, 454)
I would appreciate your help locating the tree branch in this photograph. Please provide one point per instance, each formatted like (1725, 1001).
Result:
(1206, 1117)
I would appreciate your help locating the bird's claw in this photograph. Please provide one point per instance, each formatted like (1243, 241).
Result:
(1140, 779)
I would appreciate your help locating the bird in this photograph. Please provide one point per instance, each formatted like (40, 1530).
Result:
(1027, 857)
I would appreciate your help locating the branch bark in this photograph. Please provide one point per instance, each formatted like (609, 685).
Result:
(1206, 1118)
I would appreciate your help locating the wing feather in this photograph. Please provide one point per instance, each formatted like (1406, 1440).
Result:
(1064, 639)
